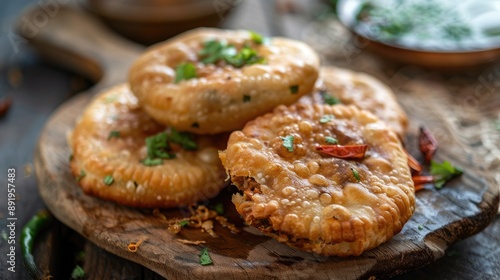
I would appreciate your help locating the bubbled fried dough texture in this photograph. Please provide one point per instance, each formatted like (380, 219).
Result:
(190, 177)
(222, 98)
(313, 201)
(363, 91)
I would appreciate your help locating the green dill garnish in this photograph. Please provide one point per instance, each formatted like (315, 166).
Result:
(205, 258)
(356, 174)
(77, 272)
(114, 134)
(214, 51)
(330, 99)
(294, 89)
(331, 140)
(185, 71)
(326, 118)
(288, 142)
(108, 180)
(82, 174)
(246, 98)
(443, 172)
(183, 223)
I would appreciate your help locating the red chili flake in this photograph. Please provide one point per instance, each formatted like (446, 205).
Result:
(343, 151)
(427, 143)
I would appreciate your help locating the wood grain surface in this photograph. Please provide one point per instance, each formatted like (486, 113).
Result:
(463, 208)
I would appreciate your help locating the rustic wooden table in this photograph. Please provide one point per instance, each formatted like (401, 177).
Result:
(37, 88)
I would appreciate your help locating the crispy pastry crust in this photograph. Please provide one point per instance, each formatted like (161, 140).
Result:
(222, 98)
(190, 177)
(312, 201)
(363, 91)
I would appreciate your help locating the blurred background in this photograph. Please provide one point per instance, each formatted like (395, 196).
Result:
(41, 67)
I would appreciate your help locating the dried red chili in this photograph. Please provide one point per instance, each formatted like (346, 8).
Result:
(420, 180)
(413, 163)
(343, 151)
(427, 143)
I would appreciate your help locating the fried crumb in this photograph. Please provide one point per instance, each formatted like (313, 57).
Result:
(192, 242)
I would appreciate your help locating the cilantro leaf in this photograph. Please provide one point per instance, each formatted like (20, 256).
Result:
(182, 138)
(183, 223)
(158, 147)
(219, 208)
(330, 99)
(185, 71)
(214, 51)
(205, 258)
(356, 174)
(331, 140)
(443, 172)
(82, 174)
(326, 118)
(294, 89)
(114, 134)
(77, 272)
(288, 142)
(256, 37)
(108, 180)
(246, 98)
(152, 162)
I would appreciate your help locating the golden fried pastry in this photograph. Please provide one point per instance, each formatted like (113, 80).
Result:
(121, 154)
(311, 194)
(208, 81)
(337, 85)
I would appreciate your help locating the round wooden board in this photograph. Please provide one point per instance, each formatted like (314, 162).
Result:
(462, 208)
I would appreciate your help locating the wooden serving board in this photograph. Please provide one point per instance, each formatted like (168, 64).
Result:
(464, 207)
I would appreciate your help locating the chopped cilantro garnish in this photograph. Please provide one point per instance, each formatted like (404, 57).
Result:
(246, 98)
(443, 172)
(77, 272)
(108, 180)
(294, 89)
(80, 256)
(420, 227)
(256, 37)
(356, 174)
(152, 162)
(214, 51)
(182, 138)
(288, 142)
(71, 157)
(331, 140)
(158, 149)
(330, 99)
(205, 258)
(114, 134)
(185, 71)
(326, 118)
(183, 223)
(158, 146)
(219, 208)
(82, 174)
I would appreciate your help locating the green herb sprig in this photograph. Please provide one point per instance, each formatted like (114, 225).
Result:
(443, 172)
